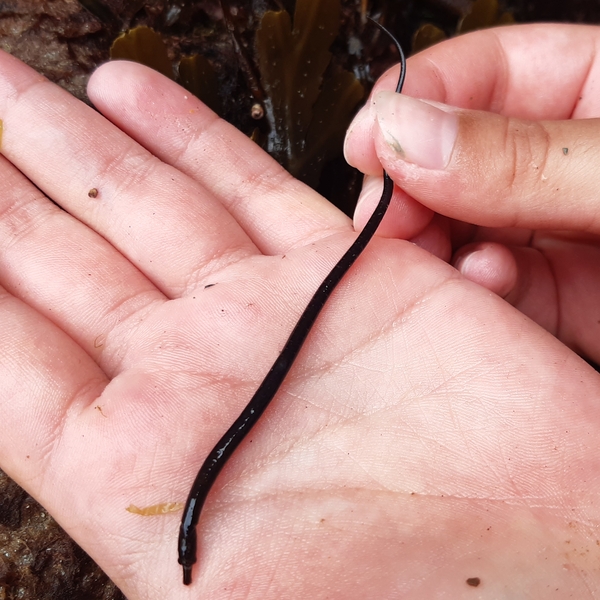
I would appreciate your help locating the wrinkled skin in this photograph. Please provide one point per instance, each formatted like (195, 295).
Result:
(524, 171)
(430, 432)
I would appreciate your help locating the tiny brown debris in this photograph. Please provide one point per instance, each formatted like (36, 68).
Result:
(257, 111)
(473, 581)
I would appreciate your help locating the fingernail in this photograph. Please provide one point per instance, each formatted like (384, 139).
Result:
(416, 131)
(361, 115)
(464, 261)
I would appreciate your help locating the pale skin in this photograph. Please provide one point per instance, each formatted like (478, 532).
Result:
(429, 433)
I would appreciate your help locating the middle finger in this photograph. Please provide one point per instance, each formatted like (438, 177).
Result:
(68, 273)
(165, 223)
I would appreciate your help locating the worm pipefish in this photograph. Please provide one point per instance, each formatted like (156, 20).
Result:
(219, 455)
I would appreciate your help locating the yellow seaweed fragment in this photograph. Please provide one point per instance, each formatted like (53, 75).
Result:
(156, 509)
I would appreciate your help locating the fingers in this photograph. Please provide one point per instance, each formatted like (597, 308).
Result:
(575, 266)
(534, 71)
(44, 376)
(168, 225)
(489, 169)
(520, 275)
(66, 272)
(483, 168)
(404, 218)
(276, 210)
(555, 282)
(491, 265)
(435, 238)
(526, 163)
(540, 71)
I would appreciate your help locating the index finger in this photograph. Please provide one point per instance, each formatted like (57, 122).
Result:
(537, 71)
(167, 225)
(277, 211)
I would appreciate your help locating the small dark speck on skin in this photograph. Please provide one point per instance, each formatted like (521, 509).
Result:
(93, 193)
(473, 581)
(209, 285)
(565, 151)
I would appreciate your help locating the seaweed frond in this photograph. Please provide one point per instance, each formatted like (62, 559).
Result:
(480, 14)
(483, 14)
(308, 112)
(143, 45)
(198, 76)
(195, 73)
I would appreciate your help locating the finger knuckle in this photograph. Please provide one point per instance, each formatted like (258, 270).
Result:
(526, 151)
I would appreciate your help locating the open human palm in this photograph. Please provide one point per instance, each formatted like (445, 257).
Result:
(429, 438)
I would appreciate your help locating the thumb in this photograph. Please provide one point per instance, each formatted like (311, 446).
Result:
(489, 169)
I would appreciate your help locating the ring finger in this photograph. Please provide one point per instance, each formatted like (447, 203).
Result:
(113, 185)
(45, 251)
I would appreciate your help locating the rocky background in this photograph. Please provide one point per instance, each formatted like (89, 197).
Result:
(66, 39)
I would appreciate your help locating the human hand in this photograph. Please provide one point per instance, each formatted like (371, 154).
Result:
(522, 167)
(428, 433)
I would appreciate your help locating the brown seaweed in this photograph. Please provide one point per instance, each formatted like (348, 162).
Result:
(198, 76)
(332, 114)
(480, 14)
(483, 13)
(143, 45)
(427, 35)
(308, 112)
